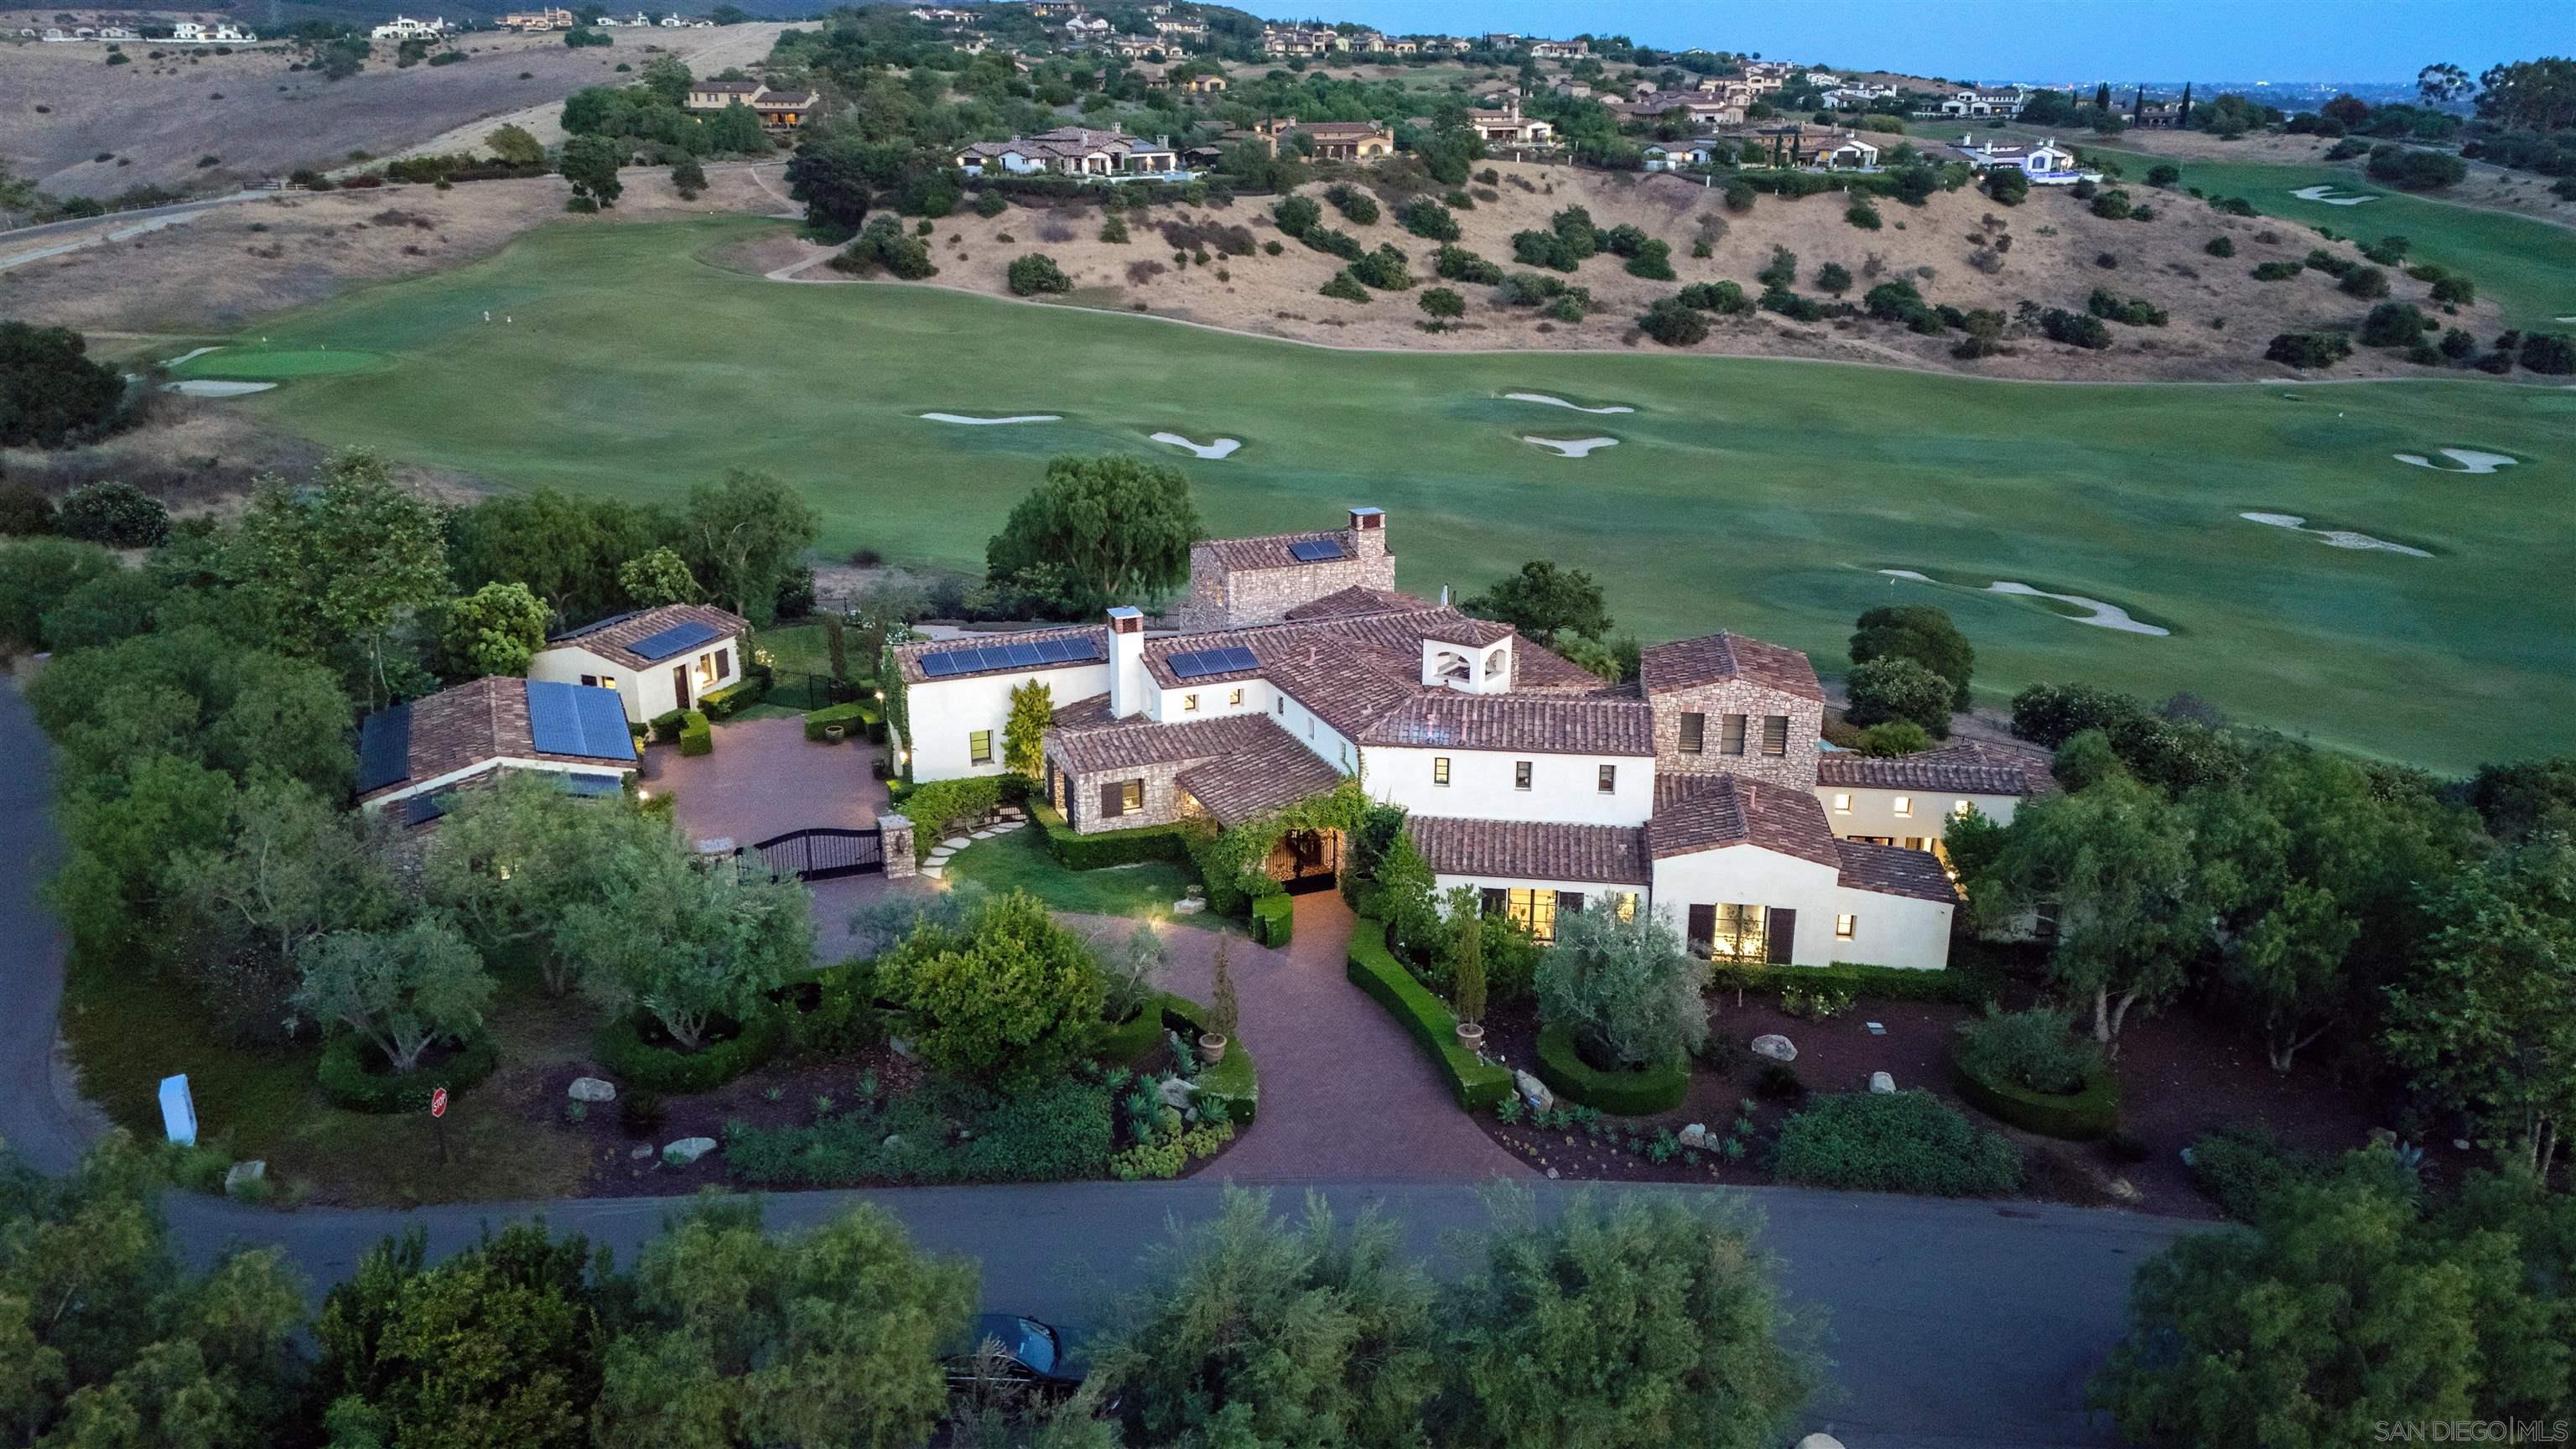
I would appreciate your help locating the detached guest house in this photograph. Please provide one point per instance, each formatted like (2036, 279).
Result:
(1695, 790)
(412, 755)
(657, 660)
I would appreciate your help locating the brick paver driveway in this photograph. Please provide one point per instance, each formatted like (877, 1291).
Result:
(1346, 1096)
(765, 778)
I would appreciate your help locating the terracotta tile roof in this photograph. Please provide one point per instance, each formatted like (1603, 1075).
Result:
(1709, 812)
(1544, 724)
(1131, 743)
(1966, 768)
(1721, 658)
(1535, 666)
(610, 637)
(1349, 671)
(1531, 850)
(1246, 781)
(908, 656)
(1270, 551)
(1343, 603)
(470, 724)
(1330, 130)
(1894, 870)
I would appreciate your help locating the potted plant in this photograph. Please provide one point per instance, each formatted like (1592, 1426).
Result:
(1470, 976)
(1222, 1007)
(833, 732)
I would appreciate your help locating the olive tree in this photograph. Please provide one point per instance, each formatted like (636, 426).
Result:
(691, 945)
(1625, 990)
(402, 990)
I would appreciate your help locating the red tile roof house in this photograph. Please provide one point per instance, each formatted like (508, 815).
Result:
(411, 756)
(1073, 151)
(660, 659)
(1694, 790)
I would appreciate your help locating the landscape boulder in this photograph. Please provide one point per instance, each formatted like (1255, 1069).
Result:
(1695, 1135)
(1820, 1441)
(1176, 1093)
(1534, 1092)
(253, 1170)
(688, 1150)
(1774, 1046)
(1882, 1083)
(591, 1089)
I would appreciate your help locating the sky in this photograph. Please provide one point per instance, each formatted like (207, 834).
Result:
(2040, 40)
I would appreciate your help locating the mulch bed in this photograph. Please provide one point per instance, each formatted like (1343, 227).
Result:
(2182, 1073)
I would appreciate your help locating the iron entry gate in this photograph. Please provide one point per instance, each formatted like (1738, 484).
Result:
(821, 853)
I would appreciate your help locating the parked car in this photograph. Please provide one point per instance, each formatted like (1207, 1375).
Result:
(1030, 1352)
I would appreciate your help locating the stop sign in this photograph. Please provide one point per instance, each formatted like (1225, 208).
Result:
(438, 1102)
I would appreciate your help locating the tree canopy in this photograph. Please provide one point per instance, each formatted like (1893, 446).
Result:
(1544, 602)
(1116, 525)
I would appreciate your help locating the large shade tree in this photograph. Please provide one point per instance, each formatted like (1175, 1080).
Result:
(1546, 603)
(1923, 634)
(744, 533)
(1117, 526)
(343, 565)
(692, 945)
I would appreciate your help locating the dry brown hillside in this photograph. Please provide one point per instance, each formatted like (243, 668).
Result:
(63, 106)
(2221, 318)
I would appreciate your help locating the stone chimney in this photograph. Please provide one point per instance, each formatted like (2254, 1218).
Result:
(1127, 682)
(1368, 532)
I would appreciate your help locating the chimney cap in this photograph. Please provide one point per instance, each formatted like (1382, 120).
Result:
(1368, 518)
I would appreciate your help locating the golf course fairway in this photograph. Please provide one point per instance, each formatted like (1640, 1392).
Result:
(1762, 496)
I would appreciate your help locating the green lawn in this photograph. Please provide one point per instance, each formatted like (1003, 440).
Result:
(1755, 495)
(2526, 267)
(1019, 860)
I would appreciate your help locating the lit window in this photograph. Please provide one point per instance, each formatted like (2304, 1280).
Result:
(1844, 927)
(1235, 698)
(706, 669)
(1625, 904)
(1737, 933)
(1842, 802)
(1534, 911)
(1914, 842)
(1131, 796)
(1904, 805)
(1189, 704)
(979, 747)
(1609, 779)
(1439, 769)
(1520, 774)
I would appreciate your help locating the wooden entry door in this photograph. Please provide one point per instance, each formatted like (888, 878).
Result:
(680, 684)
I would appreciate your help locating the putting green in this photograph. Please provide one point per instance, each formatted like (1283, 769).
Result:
(260, 362)
(1756, 495)
(2526, 267)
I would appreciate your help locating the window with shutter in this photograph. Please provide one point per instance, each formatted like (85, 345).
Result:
(1703, 928)
(1775, 734)
(1730, 738)
(979, 747)
(1694, 732)
(724, 663)
(1609, 779)
(1113, 801)
(1783, 930)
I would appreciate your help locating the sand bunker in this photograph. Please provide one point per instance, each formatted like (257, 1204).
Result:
(2469, 459)
(993, 422)
(1221, 448)
(211, 387)
(185, 357)
(1558, 402)
(1572, 447)
(2332, 537)
(2100, 615)
(2325, 194)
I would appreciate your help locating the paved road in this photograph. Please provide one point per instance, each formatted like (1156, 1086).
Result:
(1952, 1324)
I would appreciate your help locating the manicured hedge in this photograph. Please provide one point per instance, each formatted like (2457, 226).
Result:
(1232, 1083)
(2085, 1116)
(632, 1062)
(697, 737)
(1274, 919)
(1109, 847)
(344, 1077)
(854, 719)
(1625, 1094)
(1127, 1042)
(1886, 983)
(940, 806)
(666, 726)
(734, 698)
(1906, 1141)
(1477, 1084)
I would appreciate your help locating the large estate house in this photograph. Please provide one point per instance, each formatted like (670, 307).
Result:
(1702, 789)
(778, 110)
(2047, 164)
(1073, 151)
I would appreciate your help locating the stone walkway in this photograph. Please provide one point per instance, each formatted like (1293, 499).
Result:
(1346, 1095)
(934, 864)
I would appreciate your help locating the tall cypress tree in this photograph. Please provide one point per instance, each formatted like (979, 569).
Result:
(2102, 96)
(2182, 117)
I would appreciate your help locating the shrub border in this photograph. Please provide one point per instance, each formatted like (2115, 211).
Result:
(622, 1053)
(1624, 1094)
(1891, 983)
(1274, 920)
(1476, 1084)
(2088, 1115)
(697, 737)
(345, 1080)
(1233, 1082)
(841, 714)
(1076, 851)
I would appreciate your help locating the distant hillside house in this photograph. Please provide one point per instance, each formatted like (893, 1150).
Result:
(403, 27)
(551, 18)
(189, 32)
(1349, 140)
(656, 660)
(2001, 105)
(2047, 164)
(1704, 112)
(1073, 151)
(412, 755)
(1509, 127)
(778, 110)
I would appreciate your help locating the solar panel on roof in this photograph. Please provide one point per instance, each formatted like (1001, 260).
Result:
(938, 666)
(1054, 651)
(1239, 658)
(678, 639)
(1185, 666)
(384, 748)
(1024, 656)
(1316, 550)
(576, 719)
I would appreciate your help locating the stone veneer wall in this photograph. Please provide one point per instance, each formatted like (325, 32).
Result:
(1162, 796)
(1220, 598)
(1796, 769)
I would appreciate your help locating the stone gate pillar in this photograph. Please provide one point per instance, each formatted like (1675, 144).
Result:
(897, 844)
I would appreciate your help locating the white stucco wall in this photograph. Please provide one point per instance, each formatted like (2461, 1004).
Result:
(1751, 876)
(945, 712)
(1302, 724)
(1563, 788)
(1171, 706)
(1873, 811)
(1886, 931)
(646, 692)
